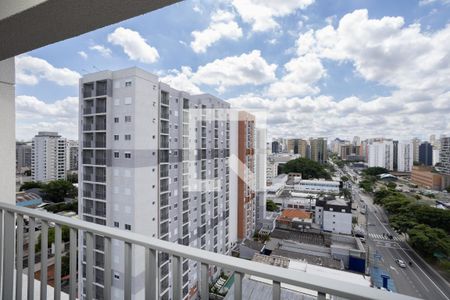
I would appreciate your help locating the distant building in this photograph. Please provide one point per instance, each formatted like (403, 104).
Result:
(72, 155)
(48, 159)
(260, 178)
(28, 199)
(319, 150)
(275, 147)
(23, 156)
(415, 151)
(436, 157)
(381, 154)
(297, 146)
(405, 157)
(334, 216)
(426, 154)
(325, 186)
(294, 219)
(425, 177)
(444, 155)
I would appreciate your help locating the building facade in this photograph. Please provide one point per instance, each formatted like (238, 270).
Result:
(319, 150)
(381, 154)
(405, 158)
(23, 156)
(334, 216)
(48, 157)
(426, 154)
(155, 161)
(425, 177)
(72, 155)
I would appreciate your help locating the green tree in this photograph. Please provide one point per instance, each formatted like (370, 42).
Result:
(391, 185)
(31, 185)
(57, 190)
(65, 236)
(344, 178)
(271, 206)
(429, 241)
(72, 178)
(375, 171)
(346, 193)
(308, 168)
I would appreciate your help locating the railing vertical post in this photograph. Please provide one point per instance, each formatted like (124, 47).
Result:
(321, 295)
(44, 256)
(128, 262)
(151, 274)
(8, 255)
(31, 245)
(204, 282)
(108, 272)
(238, 286)
(19, 259)
(176, 276)
(89, 264)
(1, 250)
(73, 264)
(57, 275)
(276, 290)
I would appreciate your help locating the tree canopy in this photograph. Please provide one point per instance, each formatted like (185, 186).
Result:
(57, 190)
(308, 168)
(30, 185)
(375, 171)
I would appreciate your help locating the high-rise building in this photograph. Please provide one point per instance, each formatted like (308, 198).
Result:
(395, 158)
(48, 157)
(72, 155)
(23, 156)
(381, 154)
(156, 161)
(444, 155)
(405, 157)
(415, 144)
(319, 150)
(426, 154)
(297, 146)
(275, 147)
(246, 172)
(261, 175)
(356, 141)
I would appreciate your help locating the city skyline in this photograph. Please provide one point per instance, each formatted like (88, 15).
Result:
(295, 63)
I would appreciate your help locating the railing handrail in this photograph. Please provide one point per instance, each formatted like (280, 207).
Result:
(288, 276)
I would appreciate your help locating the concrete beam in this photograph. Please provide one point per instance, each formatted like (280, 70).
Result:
(29, 24)
(7, 132)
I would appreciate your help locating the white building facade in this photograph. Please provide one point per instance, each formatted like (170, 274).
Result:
(155, 161)
(405, 158)
(48, 157)
(381, 154)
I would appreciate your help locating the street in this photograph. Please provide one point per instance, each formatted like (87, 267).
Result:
(419, 279)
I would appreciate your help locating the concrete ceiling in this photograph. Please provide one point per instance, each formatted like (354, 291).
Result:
(29, 24)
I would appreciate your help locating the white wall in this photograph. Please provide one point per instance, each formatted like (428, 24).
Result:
(7, 131)
(342, 222)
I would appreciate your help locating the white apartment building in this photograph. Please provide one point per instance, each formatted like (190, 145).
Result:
(381, 154)
(260, 171)
(405, 158)
(72, 155)
(155, 161)
(334, 216)
(48, 157)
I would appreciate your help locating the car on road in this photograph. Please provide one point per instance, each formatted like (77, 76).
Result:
(400, 263)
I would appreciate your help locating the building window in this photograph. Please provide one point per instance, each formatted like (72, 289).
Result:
(127, 83)
(127, 227)
(116, 224)
(116, 120)
(127, 155)
(116, 137)
(127, 137)
(128, 101)
(116, 154)
(127, 119)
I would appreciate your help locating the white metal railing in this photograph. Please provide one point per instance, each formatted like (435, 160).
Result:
(11, 254)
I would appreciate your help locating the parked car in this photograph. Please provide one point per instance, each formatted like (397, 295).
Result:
(401, 263)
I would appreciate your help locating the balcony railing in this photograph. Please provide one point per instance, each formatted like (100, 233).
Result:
(12, 222)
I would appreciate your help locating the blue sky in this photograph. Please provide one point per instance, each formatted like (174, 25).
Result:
(317, 68)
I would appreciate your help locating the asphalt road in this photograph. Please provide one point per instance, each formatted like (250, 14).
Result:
(418, 280)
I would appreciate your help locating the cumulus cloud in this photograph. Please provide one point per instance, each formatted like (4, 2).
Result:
(83, 54)
(35, 115)
(181, 80)
(261, 14)
(104, 51)
(134, 45)
(222, 26)
(30, 70)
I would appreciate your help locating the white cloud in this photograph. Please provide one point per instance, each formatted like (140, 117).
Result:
(248, 68)
(134, 45)
(83, 54)
(181, 80)
(261, 14)
(30, 70)
(104, 51)
(222, 26)
(35, 115)
(427, 2)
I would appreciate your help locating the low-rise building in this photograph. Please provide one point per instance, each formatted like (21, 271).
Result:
(294, 219)
(28, 199)
(324, 186)
(334, 216)
(426, 177)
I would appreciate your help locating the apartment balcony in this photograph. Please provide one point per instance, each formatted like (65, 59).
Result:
(12, 256)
